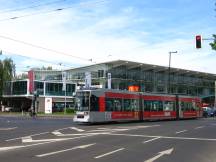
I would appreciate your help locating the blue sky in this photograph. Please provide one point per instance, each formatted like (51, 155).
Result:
(105, 30)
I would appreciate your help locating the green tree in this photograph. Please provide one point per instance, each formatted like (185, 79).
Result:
(213, 45)
(7, 72)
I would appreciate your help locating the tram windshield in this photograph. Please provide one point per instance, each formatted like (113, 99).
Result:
(82, 101)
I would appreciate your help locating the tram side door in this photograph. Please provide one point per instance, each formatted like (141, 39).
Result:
(177, 107)
(141, 107)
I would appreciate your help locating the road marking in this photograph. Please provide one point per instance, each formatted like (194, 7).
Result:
(109, 153)
(5, 129)
(73, 148)
(101, 130)
(63, 128)
(181, 131)
(151, 139)
(165, 137)
(109, 130)
(162, 153)
(57, 133)
(25, 136)
(105, 128)
(77, 129)
(17, 147)
(26, 139)
(199, 127)
(44, 142)
(126, 128)
(81, 134)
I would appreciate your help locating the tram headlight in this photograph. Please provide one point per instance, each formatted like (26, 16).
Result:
(85, 113)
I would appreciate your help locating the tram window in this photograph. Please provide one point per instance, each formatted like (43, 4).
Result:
(113, 104)
(147, 105)
(94, 103)
(82, 101)
(127, 104)
(135, 104)
(157, 106)
(196, 105)
(109, 104)
(193, 106)
(185, 106)
(160, 105)
(117, 105)
(169, 106)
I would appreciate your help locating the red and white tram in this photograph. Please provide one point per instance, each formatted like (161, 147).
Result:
(104, 105)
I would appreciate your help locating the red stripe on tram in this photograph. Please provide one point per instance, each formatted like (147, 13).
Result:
(101, 104)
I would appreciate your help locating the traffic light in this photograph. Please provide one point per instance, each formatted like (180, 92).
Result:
(198, 41)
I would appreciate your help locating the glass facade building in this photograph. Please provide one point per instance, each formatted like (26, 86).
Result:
(124, 75)
(149, 78)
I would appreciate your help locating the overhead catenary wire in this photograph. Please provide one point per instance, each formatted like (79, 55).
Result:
(53, 10)
(31, 7)
(6, 53)
(44, 48)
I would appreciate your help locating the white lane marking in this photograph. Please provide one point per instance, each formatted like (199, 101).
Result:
(57, 133)
(105, 128)
(17, 147)
(77, 129)
(108, 130)
(80, 134)
(101, 130)
(165, 137)
(199, 127)
(5, 129)
(109, 153)
(24, 146)
(151, 139)
(25, 136)
(181, 131)
(162, 153)
(63, 128)
(122, 128)
(26, 139)
(73, 148)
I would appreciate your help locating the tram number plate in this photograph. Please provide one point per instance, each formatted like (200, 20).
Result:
(166, 113)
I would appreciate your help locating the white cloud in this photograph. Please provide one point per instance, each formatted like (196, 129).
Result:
(96, 35)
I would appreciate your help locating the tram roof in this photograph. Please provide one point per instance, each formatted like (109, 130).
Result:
(149, 67)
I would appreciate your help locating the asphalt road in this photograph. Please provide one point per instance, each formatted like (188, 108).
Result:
(61, 140)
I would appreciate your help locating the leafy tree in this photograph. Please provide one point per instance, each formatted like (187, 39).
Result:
(7, 72)
(213, 45)
(1, 78)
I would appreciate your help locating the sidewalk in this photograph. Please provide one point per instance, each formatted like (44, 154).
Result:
(45, 116)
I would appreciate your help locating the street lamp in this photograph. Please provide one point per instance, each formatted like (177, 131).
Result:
(64, 86)
(170, 53)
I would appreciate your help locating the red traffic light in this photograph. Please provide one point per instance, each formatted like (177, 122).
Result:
(198, 41)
